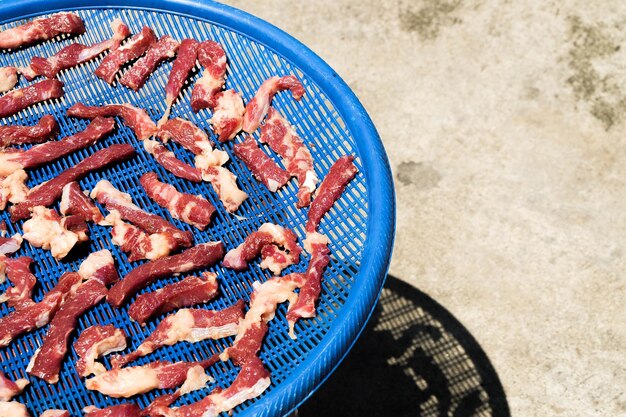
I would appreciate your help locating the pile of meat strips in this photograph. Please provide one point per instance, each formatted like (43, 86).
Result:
(168, 250)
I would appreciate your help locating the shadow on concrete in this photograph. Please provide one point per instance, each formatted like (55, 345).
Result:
(413, 359)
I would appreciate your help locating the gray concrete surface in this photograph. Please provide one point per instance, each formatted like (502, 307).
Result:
(505, 126)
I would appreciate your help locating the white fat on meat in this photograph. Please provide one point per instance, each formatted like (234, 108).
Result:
(212, 158)
(8, 78)
(94, 262)
(224, 183)
(197, 378)
(315, 238)
(160, 243)
(13, 188)
(12, 245)
(106, 188)
(222, 403)
(124, 382)
(13, 409)
(182, 329)
(8, 392)
(55, 413)
(115, 343)
(45, 231)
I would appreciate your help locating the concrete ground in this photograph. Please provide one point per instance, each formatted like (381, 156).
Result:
(505, 124)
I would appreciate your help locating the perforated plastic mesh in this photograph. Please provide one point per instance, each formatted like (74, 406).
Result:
(316, 121)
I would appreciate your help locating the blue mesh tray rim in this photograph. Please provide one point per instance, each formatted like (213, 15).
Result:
(357, 309)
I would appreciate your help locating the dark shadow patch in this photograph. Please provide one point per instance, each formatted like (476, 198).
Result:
(419, 174)
(429, 18)
(413, 359)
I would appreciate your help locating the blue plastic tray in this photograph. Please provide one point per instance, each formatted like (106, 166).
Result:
(330, 120)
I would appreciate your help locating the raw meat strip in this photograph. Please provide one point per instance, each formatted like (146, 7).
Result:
(18, 100)
(268, 234)
(48, 192)
(185, 293)
(257, 108)
(263, 303)
(41, 29)
(224, 183)
(75, 54)
(9, 389)
(94, 342)
(8, 78)
(126, 382)
(9, 245)
(192, 209)
(13, 188)
(203, 255)
(252, 381)
(158, 52)
(170, 162)
(47, 152)
(182, 66)
(188, 135)
(18, 272)
(281, 136)
(45, 129)
(121, 410)
(75, 202)
(47, 360)
(133, 49)
(46, 229)
(212, 57)
(227, 119)
(13, 409)
(138, 243)
(261, 165)
(105, 193)
(187, 325)
(338, 177)
(317, 245)
(29, 317)
(134, 117)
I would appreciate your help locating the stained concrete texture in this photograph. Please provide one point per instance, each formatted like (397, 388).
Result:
(505, 125)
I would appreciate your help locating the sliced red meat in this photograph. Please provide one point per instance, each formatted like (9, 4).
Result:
(187, 325)
(181, 68)
(201, 256)
(158, 52)
(51, 151)
(94, 342)
(253, 379)
(17, 100)
(8, 78)
(134, 117)
(171, 163)
(48, 192)
(227, 119)
(262, 166)
(212, 57)
(186, 134)
(28, 317)
(76, 54)
(338, 177)
(45, 129)
(126, 382)
(184, 293)
(257, 108)
(47, 360)
(121, 410)
(18, 272)
(133, 49)
(113, 199)
(257, 242)
(317, 245)
(75, 202)
(10, 389)
(41, 29)
(192, 209)
(281, 136)
(137, 243)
